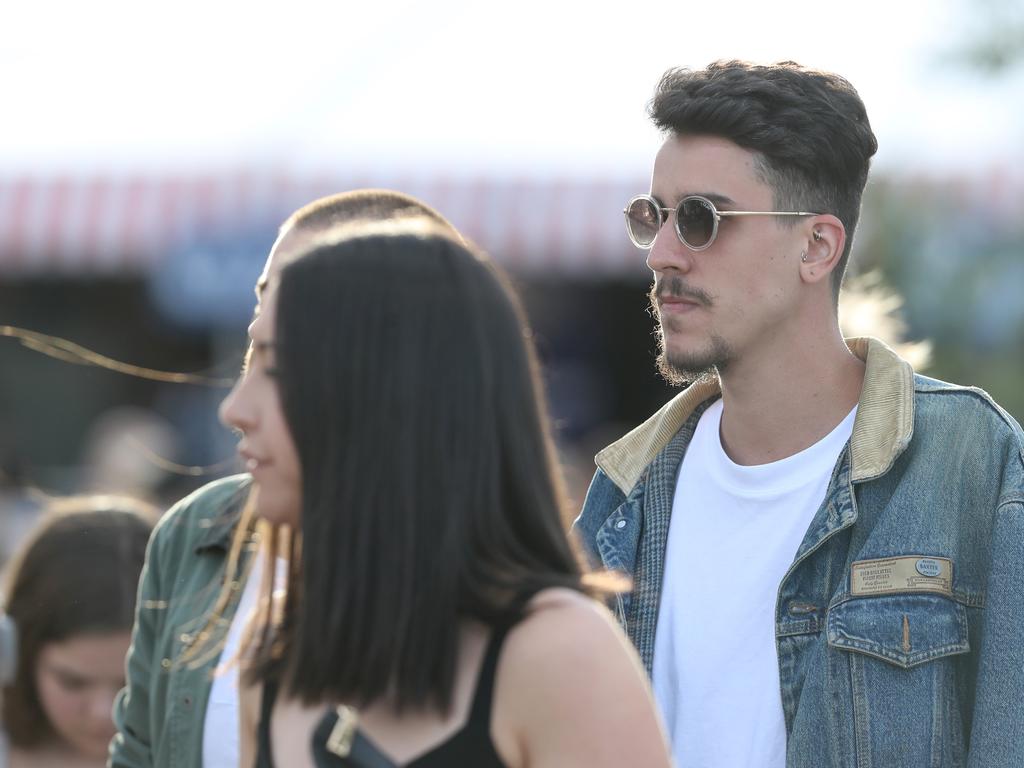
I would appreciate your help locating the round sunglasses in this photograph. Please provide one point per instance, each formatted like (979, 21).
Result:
(696, 220)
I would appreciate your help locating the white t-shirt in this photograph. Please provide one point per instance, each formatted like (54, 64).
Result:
(220, 727)
(734, 533)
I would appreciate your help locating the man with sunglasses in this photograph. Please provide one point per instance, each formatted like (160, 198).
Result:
(827, 549)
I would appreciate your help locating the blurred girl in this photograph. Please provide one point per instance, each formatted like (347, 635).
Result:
(70, 592)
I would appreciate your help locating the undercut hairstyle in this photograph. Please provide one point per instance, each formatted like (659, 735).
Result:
(77, 574)
(372, 204)
(430, 493)
(809, 129)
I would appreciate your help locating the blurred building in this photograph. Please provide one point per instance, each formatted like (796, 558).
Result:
(159, 271)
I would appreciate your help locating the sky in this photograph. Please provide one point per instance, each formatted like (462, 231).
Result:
(536, 87)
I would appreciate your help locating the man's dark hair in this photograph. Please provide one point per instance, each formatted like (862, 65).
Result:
(809, 129)
(77, 574)
(430, 493)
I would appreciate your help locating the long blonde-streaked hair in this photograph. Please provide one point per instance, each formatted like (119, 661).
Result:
(252, 539)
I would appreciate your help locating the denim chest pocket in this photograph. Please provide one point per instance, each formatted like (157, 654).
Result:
(904, 630)
(898, 653)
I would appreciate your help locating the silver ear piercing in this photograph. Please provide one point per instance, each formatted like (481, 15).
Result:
(817, 235)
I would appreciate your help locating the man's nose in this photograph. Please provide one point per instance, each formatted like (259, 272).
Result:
(668, 252)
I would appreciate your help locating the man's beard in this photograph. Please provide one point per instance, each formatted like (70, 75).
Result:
(680, 369)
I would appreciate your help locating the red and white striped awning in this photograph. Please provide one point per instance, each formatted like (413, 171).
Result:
(128, 224)
(119, 225)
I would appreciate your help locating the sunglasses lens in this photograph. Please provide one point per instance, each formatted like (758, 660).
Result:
(696, 222)
(642, 222)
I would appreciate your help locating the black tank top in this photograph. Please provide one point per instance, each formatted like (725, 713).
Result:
(471, 745)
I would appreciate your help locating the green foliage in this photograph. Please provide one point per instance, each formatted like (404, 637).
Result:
(955, 252)
(996, 42)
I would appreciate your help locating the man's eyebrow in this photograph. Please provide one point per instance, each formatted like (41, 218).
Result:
(714, 197)
(718, 199)
(262, 346)
(673, 200)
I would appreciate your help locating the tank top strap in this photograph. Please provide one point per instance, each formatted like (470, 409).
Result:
(479, 719)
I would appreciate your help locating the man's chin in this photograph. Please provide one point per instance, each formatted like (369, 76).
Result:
(682, 371)
(679, 366)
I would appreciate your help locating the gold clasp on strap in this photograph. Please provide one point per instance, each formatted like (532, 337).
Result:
(344, 732)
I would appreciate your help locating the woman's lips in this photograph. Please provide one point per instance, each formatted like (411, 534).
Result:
(252, 462)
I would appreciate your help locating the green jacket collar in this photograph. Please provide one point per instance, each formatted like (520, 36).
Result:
(216, 532)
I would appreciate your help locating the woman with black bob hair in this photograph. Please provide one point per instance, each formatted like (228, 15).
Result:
(434, 613)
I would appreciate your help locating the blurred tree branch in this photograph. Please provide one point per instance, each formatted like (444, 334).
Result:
(997, 43)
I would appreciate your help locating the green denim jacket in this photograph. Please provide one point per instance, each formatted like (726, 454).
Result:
(160, 712)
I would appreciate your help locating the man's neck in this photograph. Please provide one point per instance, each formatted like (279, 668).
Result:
(783, 399)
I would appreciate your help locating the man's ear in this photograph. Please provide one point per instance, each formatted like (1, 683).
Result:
(823, 249)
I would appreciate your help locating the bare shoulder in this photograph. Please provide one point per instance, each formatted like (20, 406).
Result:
(560, 616)
(562, 598)
(570, 690)
(563, 634)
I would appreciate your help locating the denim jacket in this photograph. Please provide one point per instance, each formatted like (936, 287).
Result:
(900, 623)
(161, 711)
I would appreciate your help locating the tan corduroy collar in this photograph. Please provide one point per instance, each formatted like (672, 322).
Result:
(882, 429)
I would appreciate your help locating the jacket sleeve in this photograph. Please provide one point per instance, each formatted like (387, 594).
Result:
(997, 730)
(132, 744)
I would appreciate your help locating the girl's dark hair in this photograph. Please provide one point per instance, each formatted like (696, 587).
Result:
(430, 492)
(76, 574)
(323, 216)
(809, 128)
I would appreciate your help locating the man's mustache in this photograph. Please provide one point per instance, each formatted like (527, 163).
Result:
(674, 287)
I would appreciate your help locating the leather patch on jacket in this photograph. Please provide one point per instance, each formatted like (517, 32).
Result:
(908, 573)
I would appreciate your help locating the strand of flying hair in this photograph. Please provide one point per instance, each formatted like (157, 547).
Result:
(70, 352)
